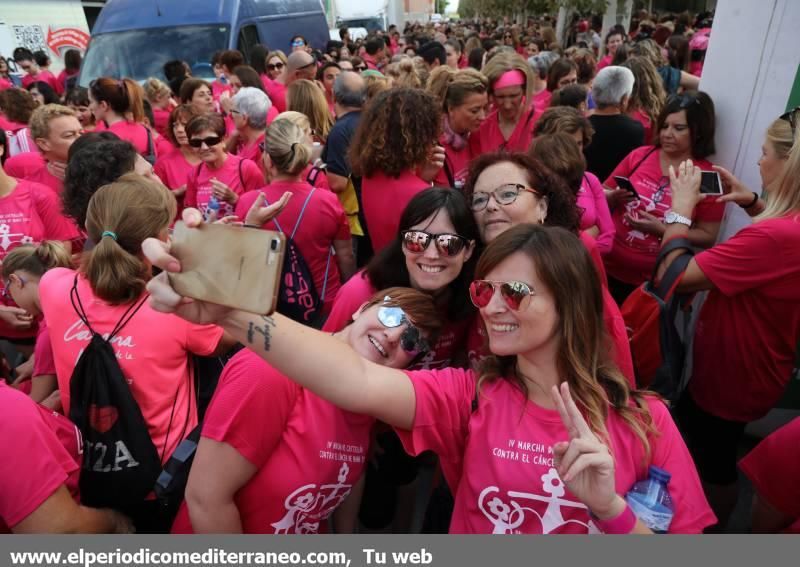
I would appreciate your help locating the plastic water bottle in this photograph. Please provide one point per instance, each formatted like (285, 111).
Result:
(212, 209)
(650, 500)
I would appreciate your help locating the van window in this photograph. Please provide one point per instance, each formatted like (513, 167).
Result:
(140, 54)
(248, 38)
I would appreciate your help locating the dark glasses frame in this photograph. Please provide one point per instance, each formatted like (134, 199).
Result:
(274, 66)
(513, 293)
(430, 237)
(684, 100)
(493, 193)
(195, 143)
(411, 340)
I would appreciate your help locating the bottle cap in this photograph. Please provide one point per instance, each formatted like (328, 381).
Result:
(659, 474)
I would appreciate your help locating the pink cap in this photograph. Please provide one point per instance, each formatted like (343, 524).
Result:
(512, 78)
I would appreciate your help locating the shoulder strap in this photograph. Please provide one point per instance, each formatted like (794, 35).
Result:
(450, 178)
(641, 161)
(325, 277)
(302, 212)
(77, 305)
(675, 270)
(241, 177)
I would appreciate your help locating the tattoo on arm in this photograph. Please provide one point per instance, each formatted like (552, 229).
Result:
(263, 330)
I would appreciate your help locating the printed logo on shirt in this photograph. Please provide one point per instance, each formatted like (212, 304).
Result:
(78, 332)
(9, 237)
(655, 199)
(546, 511)
(439, 356)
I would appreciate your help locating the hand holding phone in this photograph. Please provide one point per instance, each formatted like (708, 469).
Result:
(229, 265)
(710, 183)
(625, 183)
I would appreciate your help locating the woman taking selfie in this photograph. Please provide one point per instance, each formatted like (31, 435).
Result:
(540, 300)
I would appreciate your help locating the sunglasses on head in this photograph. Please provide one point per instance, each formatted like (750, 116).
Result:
(791, 118)
(210, 141)
(684, 100)
(273, 66)
(411, 340)
(513, 293)
(417, 241)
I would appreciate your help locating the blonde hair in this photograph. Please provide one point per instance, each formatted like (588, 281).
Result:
(650, 50)
(120, 217)
(785, 198)
(287, 147)
(36, 260)
(375, 85)
(648, 89)
(279, 54)
(503, 62)
(404, 73)
(298, 118)
(306, 97)
(451, 87)
(155, 89)
(39, 123)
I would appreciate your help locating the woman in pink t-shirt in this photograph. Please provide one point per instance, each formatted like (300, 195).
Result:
(38, 475)
(462, 96)
(284, 471)
(648, 96)
(506, 190)
(197, 94)
(175, 168)
(314, 218)
(547, 439)
(396, 154)
(614, 39)
(221, 178)
(560, 152)
(744, 347)
(510, 126)
(23, 267)
(153, 349)
(120, 105)
(685, 130)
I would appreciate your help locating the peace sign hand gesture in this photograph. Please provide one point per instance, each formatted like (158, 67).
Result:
(585, 463)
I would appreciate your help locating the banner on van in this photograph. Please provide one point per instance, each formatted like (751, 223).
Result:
(65, 38)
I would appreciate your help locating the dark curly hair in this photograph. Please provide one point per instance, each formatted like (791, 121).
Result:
(396, 132)
(17, 105)
(562, 208)
(98, 160)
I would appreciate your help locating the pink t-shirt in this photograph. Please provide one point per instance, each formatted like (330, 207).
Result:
(456, 163)
(5, 84)
(634, 253)
(594, 212)
(277, 94)
(153, 351)
(384, 199)
(29, 215)
(43, 77)
(43, 361)
(323, 222)
(308, 452)
(357, 290)
(489, 138)
(62, 79)
(34, 464)
(749, 326)
(541, 101)
(24, 165)
(174, 171)
(218, 88)
(134, 133)
(161, 120)
(774, 467)
(604, 62)
(645, 121)
(239, 174)
(498, 459)
(251, 151)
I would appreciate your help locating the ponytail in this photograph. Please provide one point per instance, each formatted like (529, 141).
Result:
(125, 97)
(135, 95)
(121, 216)
(287, 147)
(36, 260)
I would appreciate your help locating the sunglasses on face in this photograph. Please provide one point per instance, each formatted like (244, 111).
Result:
(513, 293)
(298, 43)
(503, 195)
(411, 340)
(684, 100)
(210, 141)
(361, 68)
(417, 241)
(273, 66)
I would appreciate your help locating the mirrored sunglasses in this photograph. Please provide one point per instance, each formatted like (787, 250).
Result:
(411, 340)
(513, 293)
(417, 241)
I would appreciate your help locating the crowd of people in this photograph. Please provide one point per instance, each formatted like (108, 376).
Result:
(468, 205)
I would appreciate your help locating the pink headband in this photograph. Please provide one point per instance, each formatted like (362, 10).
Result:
(512, 78)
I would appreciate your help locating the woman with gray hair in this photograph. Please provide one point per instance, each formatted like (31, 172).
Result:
(252, 111)
(615, 133)
(540, 64)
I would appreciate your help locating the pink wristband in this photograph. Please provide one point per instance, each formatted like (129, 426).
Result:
(621, 525)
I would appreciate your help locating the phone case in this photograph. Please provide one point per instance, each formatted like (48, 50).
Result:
(229, 265)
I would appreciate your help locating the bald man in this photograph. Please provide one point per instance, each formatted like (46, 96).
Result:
(302, 65)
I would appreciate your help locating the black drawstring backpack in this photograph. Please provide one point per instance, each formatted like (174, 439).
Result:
(120, 461)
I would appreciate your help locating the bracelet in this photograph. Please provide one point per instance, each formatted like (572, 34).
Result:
(251, 226)
(621, 525)
(752, 203)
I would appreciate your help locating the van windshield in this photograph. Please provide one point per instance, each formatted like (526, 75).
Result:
(370, 24)
(140, 54)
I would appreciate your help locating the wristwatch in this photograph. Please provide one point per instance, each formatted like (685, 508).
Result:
(672, 217)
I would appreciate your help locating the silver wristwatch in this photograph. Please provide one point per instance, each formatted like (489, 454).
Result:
(672, 217)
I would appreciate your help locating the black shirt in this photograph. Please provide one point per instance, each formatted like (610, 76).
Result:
(614, 138)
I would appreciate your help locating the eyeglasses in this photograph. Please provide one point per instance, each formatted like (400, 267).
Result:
(273, 66)
(361, 68)
(503, 195)
(513, 293)
(411, 340)
(234, 111)
(210, 141)
(417, 241)
(7, 284)
(684, 100)
(791, 118)
(298, 43)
